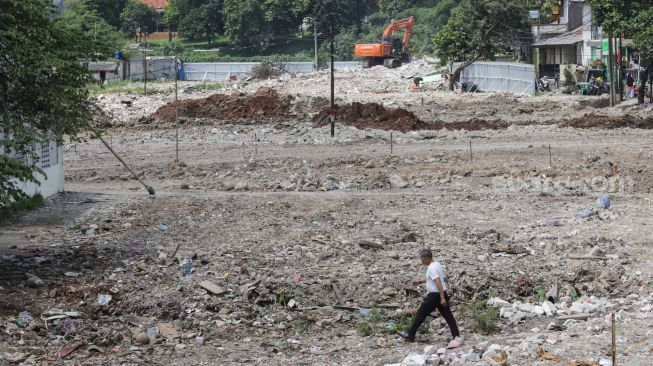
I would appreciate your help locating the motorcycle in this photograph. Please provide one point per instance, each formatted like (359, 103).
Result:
(599, 86)
(543, 84)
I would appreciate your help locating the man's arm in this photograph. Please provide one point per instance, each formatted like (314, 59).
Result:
(438, 283)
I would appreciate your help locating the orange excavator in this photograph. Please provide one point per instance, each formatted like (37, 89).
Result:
(390, 50)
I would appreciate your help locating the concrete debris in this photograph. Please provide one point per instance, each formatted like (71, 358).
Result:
(285, 245)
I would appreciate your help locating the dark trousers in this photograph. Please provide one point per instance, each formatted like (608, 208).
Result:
(430, 303)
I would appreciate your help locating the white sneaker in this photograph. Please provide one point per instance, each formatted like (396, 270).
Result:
(455, 343)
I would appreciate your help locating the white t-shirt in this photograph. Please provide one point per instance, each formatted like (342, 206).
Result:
(433, 271)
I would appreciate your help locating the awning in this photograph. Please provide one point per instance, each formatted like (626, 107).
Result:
(565, 39)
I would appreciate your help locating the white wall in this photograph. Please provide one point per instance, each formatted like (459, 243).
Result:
(51, 162)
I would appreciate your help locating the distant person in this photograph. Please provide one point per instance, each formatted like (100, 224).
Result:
(436, 298)
(630, 85)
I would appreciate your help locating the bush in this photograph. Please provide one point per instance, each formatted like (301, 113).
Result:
(484, 319)
(265, 70)
(23, 204)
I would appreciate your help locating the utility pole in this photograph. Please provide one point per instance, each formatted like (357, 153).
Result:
(145, 67)
(620, 70)
(176, 117)
(611, 69)
(333, 97)
(317, 65)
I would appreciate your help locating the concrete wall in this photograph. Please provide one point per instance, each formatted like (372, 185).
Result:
(51, 161)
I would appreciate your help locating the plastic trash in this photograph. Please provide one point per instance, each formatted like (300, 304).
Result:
(188, 266)
(604, 202)
(199, 340)
(364, 312)
(25, 316)
(68, 326)
(587, 213)
(103, 299)
(163, 227)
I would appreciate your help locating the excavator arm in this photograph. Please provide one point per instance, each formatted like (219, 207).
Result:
(406, 25)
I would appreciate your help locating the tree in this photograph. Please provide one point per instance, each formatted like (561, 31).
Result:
(103, 37)
(137, 15)
(634, 19)
(205, 20)
(244, 24)
(108, 10)
(480, 29)
(392, 7)
(43, 92)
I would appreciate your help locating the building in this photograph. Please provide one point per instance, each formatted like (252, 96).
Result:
(50, 160)
(569, 38)
(158, 5)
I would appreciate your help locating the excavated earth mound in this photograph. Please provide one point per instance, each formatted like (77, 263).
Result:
(592, 120)
(264, 105)
(372, 115)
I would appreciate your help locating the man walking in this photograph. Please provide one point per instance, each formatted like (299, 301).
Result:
(436, 298)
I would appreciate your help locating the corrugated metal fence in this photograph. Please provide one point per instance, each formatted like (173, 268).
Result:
(219, 71)
(508, 77)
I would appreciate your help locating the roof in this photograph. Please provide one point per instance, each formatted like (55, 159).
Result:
(565, 39)
(103, 66)
(155, 4)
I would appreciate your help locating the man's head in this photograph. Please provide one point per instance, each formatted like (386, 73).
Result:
(426, 256)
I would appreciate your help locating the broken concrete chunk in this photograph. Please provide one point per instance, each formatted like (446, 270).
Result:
(212, 288)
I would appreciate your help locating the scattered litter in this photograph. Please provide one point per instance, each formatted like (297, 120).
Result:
(103, 299)
(546, 355)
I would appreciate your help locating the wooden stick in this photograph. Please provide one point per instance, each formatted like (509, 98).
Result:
(391, 144)
(550, 157)
(588, 257)
(471, 153)
(150, 190)
(614, 343)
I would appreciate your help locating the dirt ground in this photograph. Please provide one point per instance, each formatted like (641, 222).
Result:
(272, 243)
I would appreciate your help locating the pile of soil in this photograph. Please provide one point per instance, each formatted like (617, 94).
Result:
(265, 105)
(372, 115)
(595, 121)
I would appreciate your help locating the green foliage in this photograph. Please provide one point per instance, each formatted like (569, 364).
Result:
(137, 15)
(202, 22)
(23, 204)
(484, 319)
(109, 10)
(481, 29)
(394, 7)
(570, 84)
(103, 37)
(208, 87)
(366, 329)
(42, 86)
(174, 47)
(244, 24)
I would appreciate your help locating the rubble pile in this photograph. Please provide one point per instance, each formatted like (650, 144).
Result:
(263, 105)
(593, 120)
(371, 115)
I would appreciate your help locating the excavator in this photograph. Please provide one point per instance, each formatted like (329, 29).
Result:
(390, 50)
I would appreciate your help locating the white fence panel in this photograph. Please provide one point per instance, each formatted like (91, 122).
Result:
(507, 77)
(220, 71)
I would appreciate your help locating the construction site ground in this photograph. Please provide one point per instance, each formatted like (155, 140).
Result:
(303, 246)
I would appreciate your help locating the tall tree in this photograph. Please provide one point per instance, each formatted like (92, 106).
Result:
(203, 21)
(634, 19)
(105, 39)
(137, 15)
(480, 29)
(43, 92)
(108, 10)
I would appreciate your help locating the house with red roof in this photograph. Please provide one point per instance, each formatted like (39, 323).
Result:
(158, 5)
